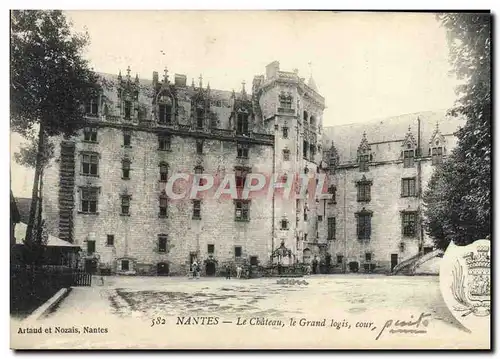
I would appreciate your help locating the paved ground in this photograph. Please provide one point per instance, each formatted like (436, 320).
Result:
(136, 301)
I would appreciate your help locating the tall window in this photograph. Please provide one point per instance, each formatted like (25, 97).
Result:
(88, 199)
(125, 205)
(284, 224)
(242, 210)
(286, 101)
(237, 251)
(368, 257)
(364, 191)
(165, 114)
(90, 164)
(126, 169)
(305, 148)
(196, 209)
(164, 143)
(242, 123)
(331, 228)
(364, 161)
(285, 132)
(312, 151)
(408, 188)
(162, 243)
(437, 155)
(364, 225)
(90, 134)
(210, 248)
(127, 138)
(242, 150)
(90, 247)
(110, 240)
(286, 155)
(128, 109)
(409, 158)
(200, 117)
(92, 107)
(241, 174)
(409, 224)
(198, 171)
(163, 172)
(332, 190)
(199, 147)
(163, 206)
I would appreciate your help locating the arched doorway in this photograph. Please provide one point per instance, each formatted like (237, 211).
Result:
(210, 268)
(162, 268)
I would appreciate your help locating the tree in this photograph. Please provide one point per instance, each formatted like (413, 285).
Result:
(49, 84)
(458, 197)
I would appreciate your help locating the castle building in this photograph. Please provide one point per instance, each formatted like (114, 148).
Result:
(111, 183)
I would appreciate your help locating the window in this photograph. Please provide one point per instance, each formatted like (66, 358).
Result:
(90, 164)
(320, 218)
(110, 240)
(242, 210)
(332, 190)
(408, 188)
(242, 150)
(210, 249)
(241, 175)
(90, 134)
(126, 169)
(200, 116)
(164, 143)
(305, 214)
(364, 191)
(286, 101)
(125, 264)
(126, 138)
(163, 206)
(125, 205)
(409, 224)
(196, 209)
(90, 247)
(437, 155)
(162, 243)
(92, 107)
(340, 259)
(306, 117)
(364, 225)
(312, 151)
(304, 149)
(198, 171)
(363, 163)
(284, 224)
(163, 172)
(89, 200)
(128, 109)
(237, 251)
(165, 114)
(254, 260)
(285, 132)
(199, 147)
(305, 237)
(331, 228)
(368, 257)
(286, 155)
(409, 158)
(242, 123)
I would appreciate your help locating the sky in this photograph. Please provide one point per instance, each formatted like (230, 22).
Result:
(366, 66)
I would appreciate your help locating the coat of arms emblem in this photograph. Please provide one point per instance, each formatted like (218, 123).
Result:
(471, 285)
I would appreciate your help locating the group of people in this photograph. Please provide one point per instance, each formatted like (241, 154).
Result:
(195, 271)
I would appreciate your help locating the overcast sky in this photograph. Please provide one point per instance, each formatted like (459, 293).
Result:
(367, 66)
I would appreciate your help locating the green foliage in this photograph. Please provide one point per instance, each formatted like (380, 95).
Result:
(457, 199)
(50, 81)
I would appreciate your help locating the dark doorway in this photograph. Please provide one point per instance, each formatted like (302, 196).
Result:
(210, 269)
(428, 250)
(394, 261)
(90, 266)
(162, 268)
(192, 257)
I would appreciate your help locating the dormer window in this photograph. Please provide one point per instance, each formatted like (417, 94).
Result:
(200, 116)
(128, 110)
(364, 154)
(437, 155)
(409, 158)
(364, 161)
(165, 114)
(242, 123)
(286, 100)
(92, 107)
(437, 147)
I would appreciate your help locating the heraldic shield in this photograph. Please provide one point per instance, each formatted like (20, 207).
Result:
(465, 281)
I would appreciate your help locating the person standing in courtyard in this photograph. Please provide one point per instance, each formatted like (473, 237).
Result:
(194, 268)
(238, 272)
(228, 271)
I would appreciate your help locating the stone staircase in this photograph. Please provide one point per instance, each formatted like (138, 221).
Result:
(66, 190)
(409, 266)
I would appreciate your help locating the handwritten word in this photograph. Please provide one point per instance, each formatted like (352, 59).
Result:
(408, 327)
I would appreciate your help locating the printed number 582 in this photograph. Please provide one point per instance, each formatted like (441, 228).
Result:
(158, 321)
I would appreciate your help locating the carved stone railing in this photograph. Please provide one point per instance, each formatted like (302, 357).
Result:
(288, 111)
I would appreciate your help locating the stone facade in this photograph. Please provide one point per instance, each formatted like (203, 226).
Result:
(108, 182)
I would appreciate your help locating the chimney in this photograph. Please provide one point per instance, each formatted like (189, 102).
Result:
(272, 70)
(180, 80)
(155, 79)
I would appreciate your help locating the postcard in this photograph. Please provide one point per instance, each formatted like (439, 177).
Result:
(250, 180)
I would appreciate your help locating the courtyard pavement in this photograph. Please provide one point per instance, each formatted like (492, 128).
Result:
(128, 306)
